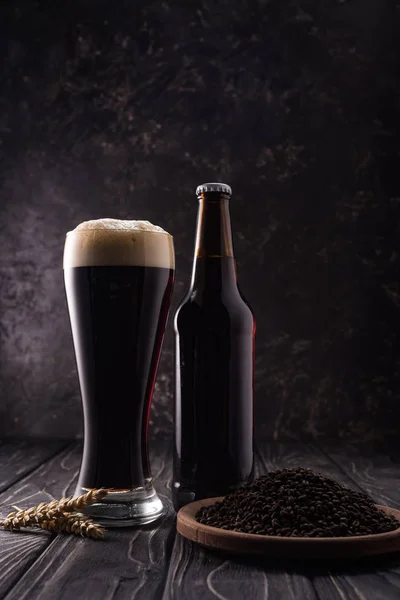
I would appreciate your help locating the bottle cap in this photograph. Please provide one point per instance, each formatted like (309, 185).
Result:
(214, 187)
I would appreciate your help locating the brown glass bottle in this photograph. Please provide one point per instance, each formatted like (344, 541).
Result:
(214, 353)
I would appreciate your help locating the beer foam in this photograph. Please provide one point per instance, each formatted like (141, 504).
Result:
(119, 225)
(106, 242)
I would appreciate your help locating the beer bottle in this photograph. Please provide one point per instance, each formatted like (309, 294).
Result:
(214, 352)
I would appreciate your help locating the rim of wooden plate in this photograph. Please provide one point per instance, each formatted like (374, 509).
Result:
(285, 547)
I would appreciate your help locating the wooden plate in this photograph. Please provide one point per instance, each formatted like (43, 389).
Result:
(273, 546)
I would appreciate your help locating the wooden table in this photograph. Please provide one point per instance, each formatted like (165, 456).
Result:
(154, 562)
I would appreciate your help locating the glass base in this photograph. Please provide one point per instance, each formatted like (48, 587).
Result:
(125, 508)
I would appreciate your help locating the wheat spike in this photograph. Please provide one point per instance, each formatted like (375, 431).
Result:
(29, 517)
(72, 523)
(59, 515)
(80, 502)
(25, 518)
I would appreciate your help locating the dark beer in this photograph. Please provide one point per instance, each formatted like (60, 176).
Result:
(118, 314)
(214, 333)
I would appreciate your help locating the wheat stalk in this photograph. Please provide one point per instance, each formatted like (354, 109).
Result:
(59, 515)
(25, 518)
(74, 523)
(78, 503)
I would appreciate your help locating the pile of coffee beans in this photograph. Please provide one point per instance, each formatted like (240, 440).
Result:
(297, 503)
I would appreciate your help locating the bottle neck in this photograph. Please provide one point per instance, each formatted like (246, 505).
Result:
(214, 262)
(214, 234)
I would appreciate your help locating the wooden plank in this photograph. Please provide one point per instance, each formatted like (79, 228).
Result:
(378, 473)
(379, 476)
(129, 563)
(132, 563)
(199, 574)
(358, 585)
(20, 457)
(54, 478)
(366, 580)
(283, 455)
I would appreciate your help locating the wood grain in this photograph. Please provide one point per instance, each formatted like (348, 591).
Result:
(373, 579)
(20, 457)
(53, 478)
(282, 455)
(129, 563)
(201, 574)
(378, 475)
(152, 563)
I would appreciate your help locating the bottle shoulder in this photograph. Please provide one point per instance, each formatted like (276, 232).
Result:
(224, 310)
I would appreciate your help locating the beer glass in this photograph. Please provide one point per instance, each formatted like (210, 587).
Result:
(118, 280)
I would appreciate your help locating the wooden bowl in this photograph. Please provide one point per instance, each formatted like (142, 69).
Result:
(285, 547)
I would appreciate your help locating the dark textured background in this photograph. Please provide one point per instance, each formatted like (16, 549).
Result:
(121, 108)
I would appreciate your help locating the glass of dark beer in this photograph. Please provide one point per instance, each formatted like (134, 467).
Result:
(118, 279)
